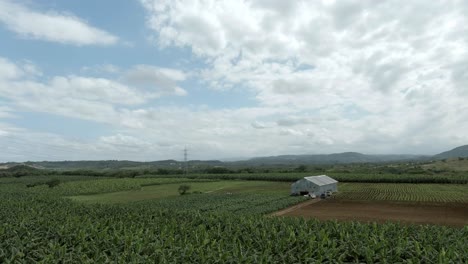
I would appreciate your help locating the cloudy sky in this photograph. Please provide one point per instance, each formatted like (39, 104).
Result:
(140, 80)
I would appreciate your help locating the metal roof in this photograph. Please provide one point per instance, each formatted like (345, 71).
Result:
(320, 180)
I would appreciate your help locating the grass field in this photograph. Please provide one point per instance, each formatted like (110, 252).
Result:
(106, 185)
(171, 190)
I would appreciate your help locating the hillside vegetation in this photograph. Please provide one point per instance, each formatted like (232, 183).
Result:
(461, 151)
(265, 163)
(453, 164)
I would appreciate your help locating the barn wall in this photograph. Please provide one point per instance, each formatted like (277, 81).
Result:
(305, 185)
(329, 187)
(299, 186)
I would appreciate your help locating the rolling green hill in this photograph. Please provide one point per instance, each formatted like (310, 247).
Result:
(461, 151)
(259, 162)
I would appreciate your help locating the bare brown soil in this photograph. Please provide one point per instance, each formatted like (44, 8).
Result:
(296, 207)
(367, 211)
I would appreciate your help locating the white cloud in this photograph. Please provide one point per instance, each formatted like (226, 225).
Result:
(258, 125)
(30, 69)
(384, 76)
(9, 70)
(293, 121)
(22, 145)
(69, 91)
(51, 26)
(327, 76)
(5, 112)
(96, 89)
(157, 79)
(103, 68)
(125, 142)
(90, 98)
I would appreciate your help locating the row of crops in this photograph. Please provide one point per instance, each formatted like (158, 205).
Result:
(400, 192)
(45, 178)
(342, 177)
(39, 226)
(99, 185)
(370, 177)
(239, 203)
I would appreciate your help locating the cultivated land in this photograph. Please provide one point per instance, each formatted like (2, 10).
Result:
(170, 190)
(403, 192)
(451, 215)
(444, 204)
(82, 219)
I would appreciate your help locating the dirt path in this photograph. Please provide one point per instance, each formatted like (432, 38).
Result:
(215, 190)
(295, 207)
(440, 214)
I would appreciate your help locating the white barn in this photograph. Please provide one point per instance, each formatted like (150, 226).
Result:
(314, 185)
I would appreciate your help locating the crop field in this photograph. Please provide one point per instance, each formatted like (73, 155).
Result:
(401, 192)
(41, 179)
(219, 222)
(199, 186)
(341, 177)
(99, 186)
(444, 204)
(413, 193)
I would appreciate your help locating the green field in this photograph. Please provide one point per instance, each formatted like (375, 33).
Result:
(392, 192)
(39, 179)
(403, 192)
(369, 177)
(453, 164)
(99, 185)
(145, 220)
(170, 190)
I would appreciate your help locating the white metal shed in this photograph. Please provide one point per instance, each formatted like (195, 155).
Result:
(314, 185)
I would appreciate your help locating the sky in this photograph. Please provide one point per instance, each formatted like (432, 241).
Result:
(142, 80)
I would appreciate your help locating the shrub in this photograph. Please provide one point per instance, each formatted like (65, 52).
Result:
(183, 189)
(52, 183)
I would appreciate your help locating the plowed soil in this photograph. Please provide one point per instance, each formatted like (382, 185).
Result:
(440, 214)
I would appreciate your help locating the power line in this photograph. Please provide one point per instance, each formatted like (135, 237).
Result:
(185, 161)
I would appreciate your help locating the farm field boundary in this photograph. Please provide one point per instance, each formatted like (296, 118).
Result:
(226, 226)
(409, 203)
(402, 192)
(382, 212)
(341, 177)
(170, 189)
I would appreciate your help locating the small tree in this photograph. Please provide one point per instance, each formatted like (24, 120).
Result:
(301, 168)
(183, 189)
(52, 183)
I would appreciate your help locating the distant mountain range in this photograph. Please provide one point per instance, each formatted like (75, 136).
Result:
(352, 157)
(337, 158)
(461, 151)
(283, 160)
